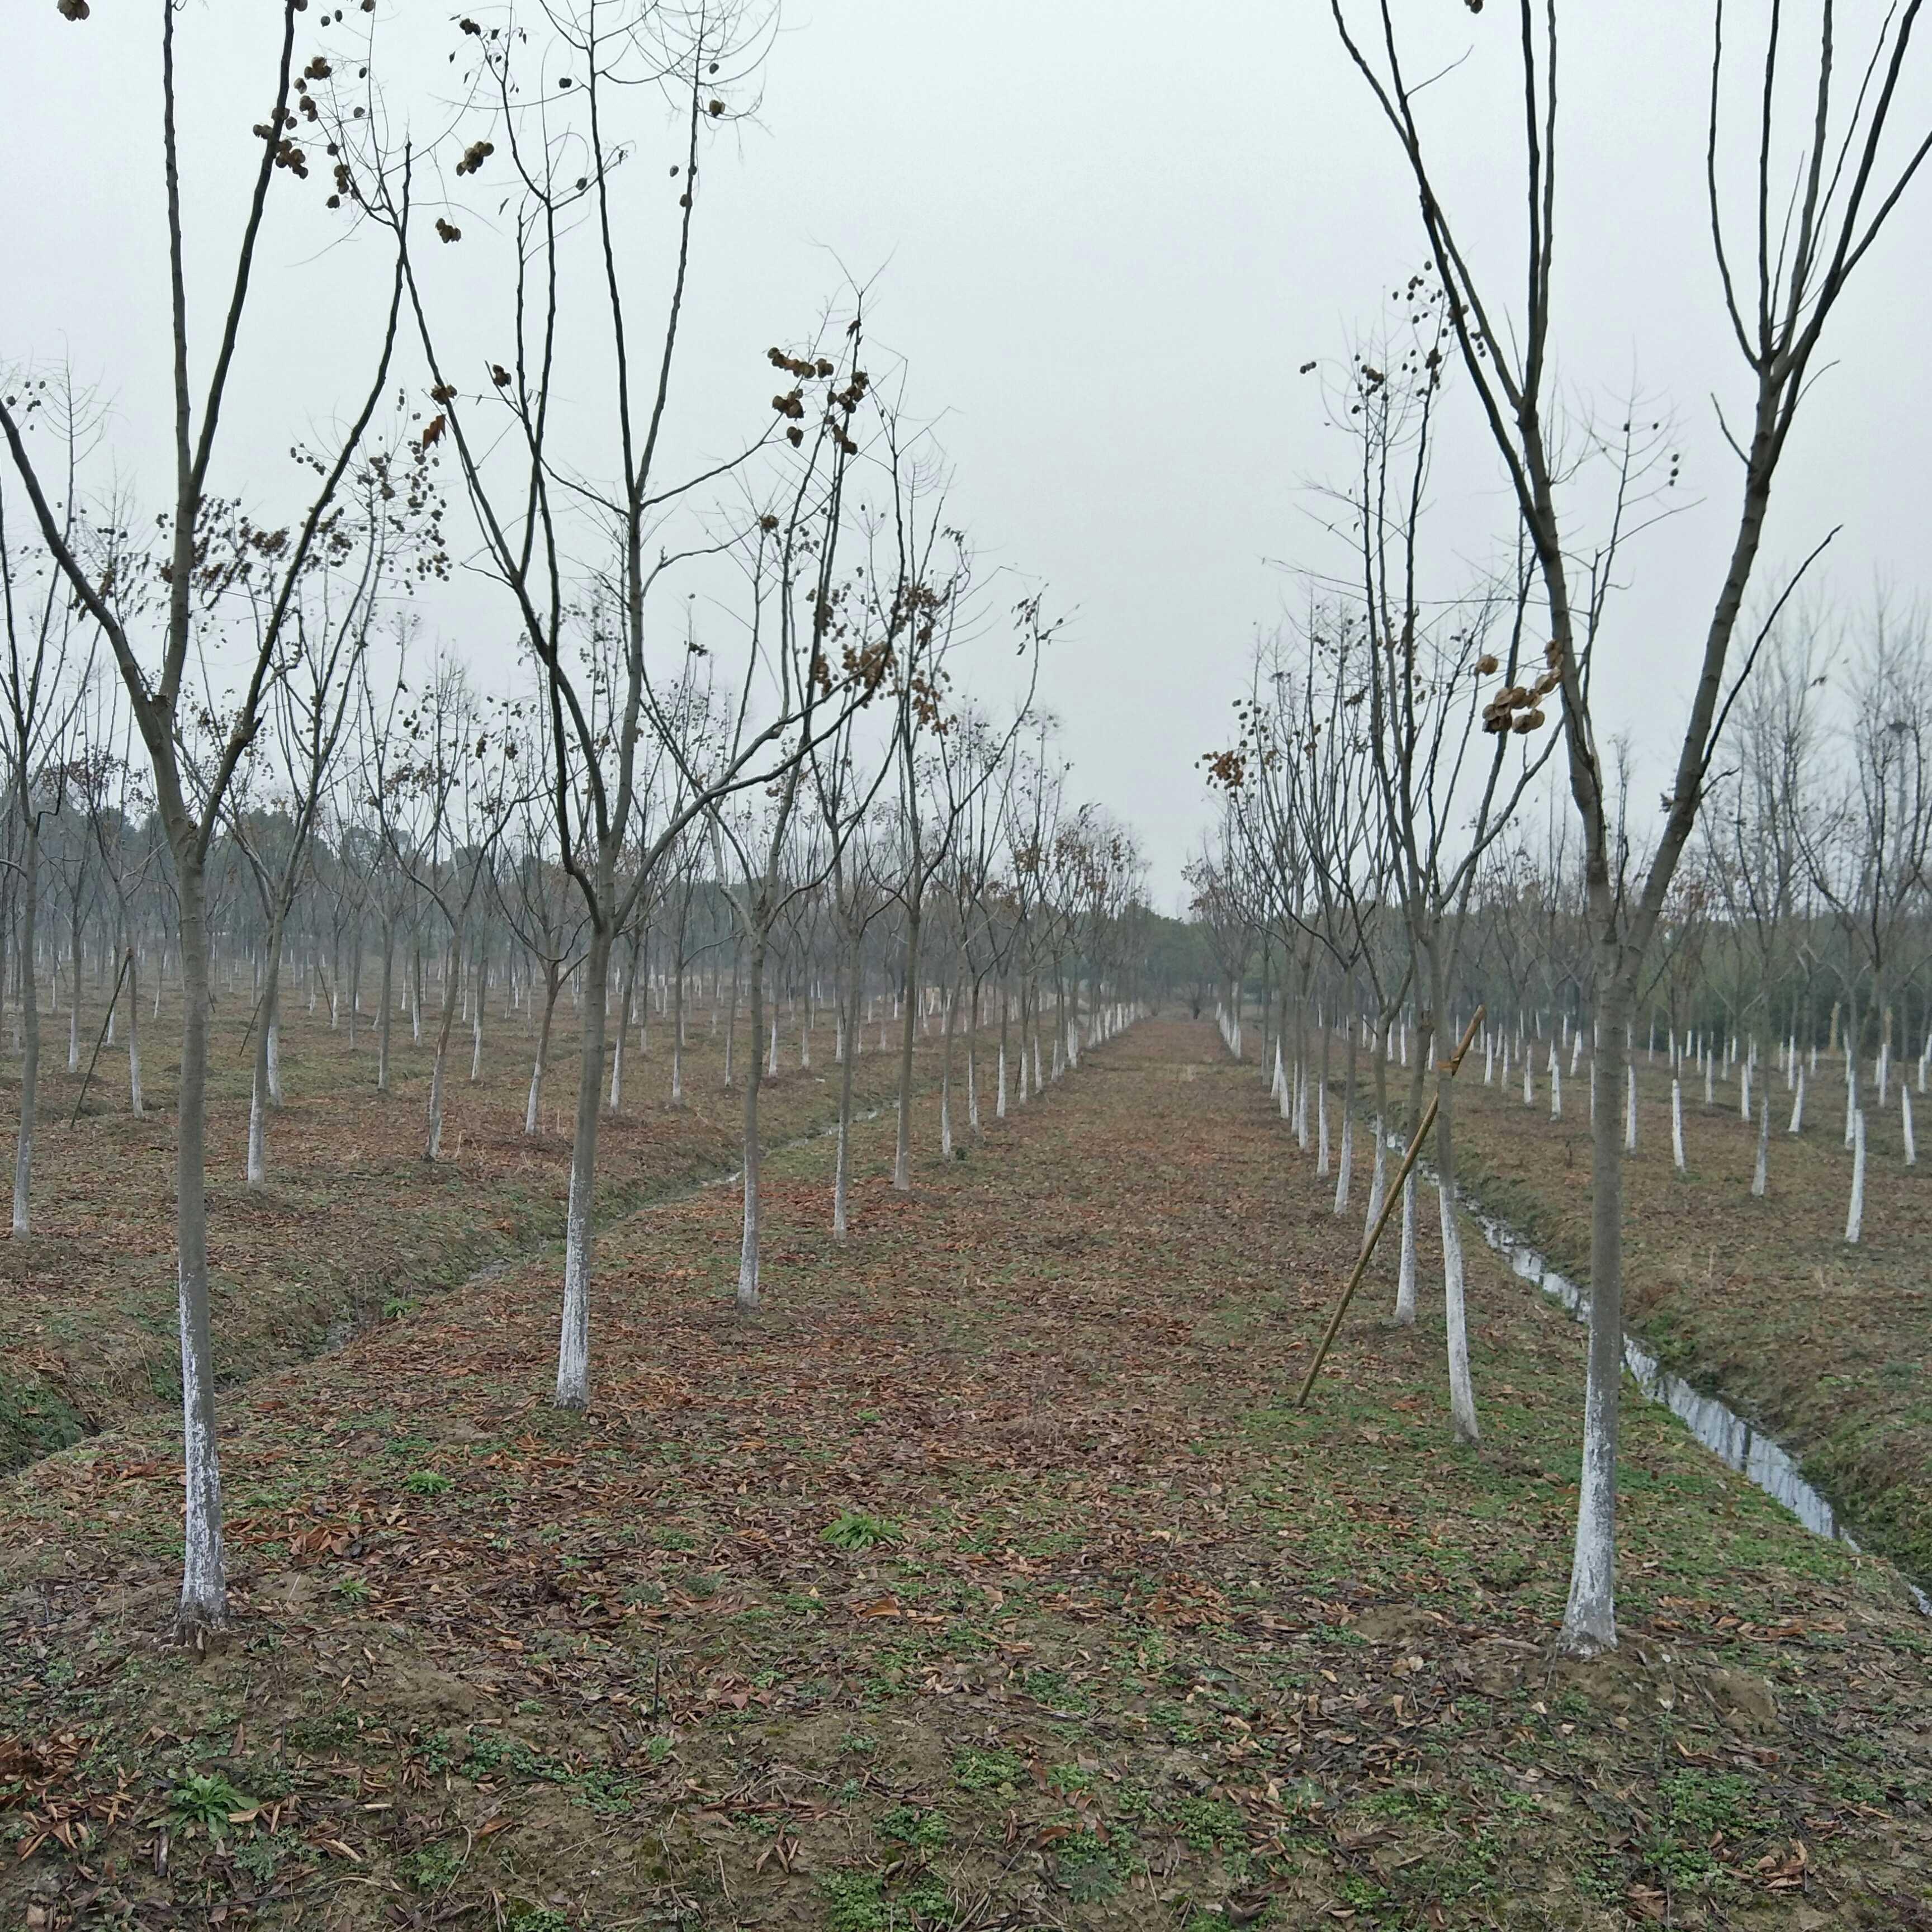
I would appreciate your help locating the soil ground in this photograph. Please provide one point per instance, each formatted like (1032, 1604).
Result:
(988, 1578)
(1826, 1345)
(354, 1227)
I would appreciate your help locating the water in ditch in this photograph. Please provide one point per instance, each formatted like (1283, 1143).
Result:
(1715, 1423)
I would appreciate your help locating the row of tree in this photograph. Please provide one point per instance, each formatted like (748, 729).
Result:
(736, 717)
(1389, 736)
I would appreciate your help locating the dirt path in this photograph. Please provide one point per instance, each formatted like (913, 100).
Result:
(985, 1580)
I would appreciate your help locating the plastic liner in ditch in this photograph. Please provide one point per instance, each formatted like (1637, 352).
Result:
(1735, 1443)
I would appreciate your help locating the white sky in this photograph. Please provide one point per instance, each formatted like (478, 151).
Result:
(1104, 235)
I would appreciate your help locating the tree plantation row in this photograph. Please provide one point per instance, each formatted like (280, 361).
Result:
(539, 672)
(763, 722)
(1434, 691)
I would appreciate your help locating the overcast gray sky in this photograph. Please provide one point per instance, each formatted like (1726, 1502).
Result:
(1103, 237)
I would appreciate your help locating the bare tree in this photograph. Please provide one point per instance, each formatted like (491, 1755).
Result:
(1801, 257)
(209, 550)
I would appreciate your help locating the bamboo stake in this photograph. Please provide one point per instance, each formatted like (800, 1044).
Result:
(1428, 1120)
(127, 959)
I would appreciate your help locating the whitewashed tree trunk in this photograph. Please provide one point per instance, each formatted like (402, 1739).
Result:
(972, 1063)
(1589, 1616)
(137, 1106)
(573, 1347)
(1377, 1181)
(261, 1091)
(1761, 1174)
(388, 1009)
(842, 1180)
(204, 1594)
(1854, 1219)
(1905, 1120)
(1677, 1123)
(1405, 1285)
(1462, 1394)
(749, 1243)
(30, 1035)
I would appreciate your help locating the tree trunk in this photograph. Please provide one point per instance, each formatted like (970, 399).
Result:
(573, 1352)
(748, 1252)
(1462, 1394)
(841, 1184)
(354, 987)
(945, 1079)
(433, 1140)
(30, 1033)
(134, 1099)
(388, 1005)
(677, 1028)
(533, 1108)
(260, 1091)
(73, 1005)
(204, 1593)
(1590, 1619)
(480, 972)
(902, 1149)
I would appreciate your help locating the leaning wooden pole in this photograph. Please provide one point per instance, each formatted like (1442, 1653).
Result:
(127, 960)
(1447, 1067)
